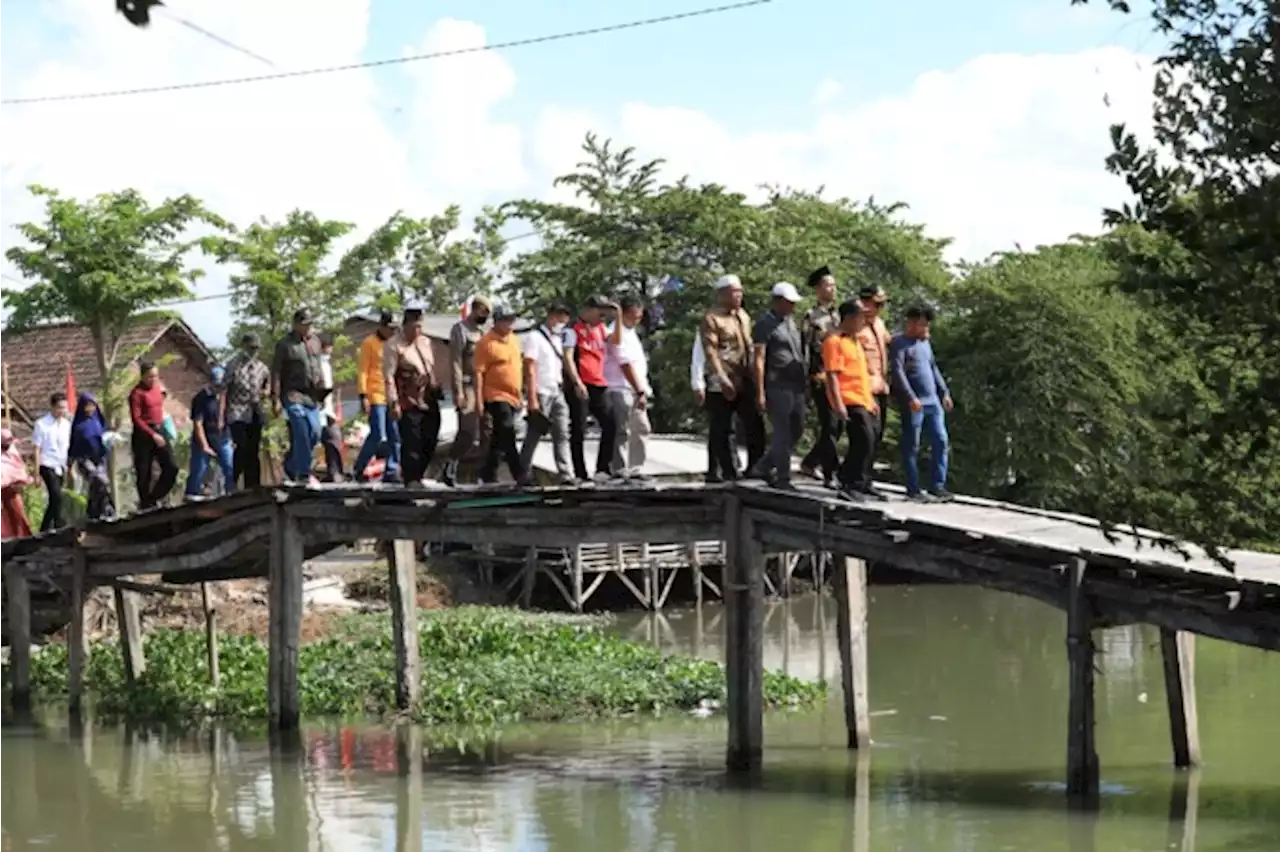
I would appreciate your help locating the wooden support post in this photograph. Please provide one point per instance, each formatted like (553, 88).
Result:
(1082, 754)
(210, 634)
(850, 587)
(744, 641)
(409, 797)
(575, 570)
(286, 620)
(695, 562)
(76, 639)
(529, 577)
(1178, 649)
(404, 623)
(130, 623)
(18, 595)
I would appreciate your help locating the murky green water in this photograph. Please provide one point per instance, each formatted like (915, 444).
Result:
(969, 691)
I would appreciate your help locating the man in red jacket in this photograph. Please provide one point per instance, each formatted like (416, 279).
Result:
(146, 411)
(584, 349)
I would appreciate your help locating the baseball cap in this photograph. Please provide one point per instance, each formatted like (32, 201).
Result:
(388, 319)
(302, 315)
(595, 300)
(816, 276)
(218, 374)
(482, 302)
(251, 338)
(502, 312)
(784, 290)
(724, 282)
(873, 293)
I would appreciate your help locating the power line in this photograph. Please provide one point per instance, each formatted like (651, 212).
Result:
(212, 36)
(378, 63)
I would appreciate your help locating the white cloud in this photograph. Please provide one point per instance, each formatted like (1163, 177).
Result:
(1003, 149)
(828, 90)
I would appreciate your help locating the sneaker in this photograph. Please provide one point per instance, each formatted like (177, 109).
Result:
(921, 497)
(784, 485)
(810, 472)
(851, 495)
(586, 483)
(568, 481)
(941, 495)
(710, 479)
(642, 478)
(449, 476)
(873, 494)
(602, 478)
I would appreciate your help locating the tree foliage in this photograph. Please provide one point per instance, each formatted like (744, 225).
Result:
(101, 263)
(284, 267)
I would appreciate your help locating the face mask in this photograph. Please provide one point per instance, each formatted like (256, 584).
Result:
(558, 327)
(481, 320)
(324, 359)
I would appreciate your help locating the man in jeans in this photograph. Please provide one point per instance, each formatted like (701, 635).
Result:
(297, 384)
(210, 438)
(626, 369)
(923, 399)
(544, 371)
(463, 339)
(371, 384)
(248, 381)
(780, 375)
(52, 440)
(499, 369)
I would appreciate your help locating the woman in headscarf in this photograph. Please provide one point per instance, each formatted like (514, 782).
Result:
(89, 454)
(13, 476)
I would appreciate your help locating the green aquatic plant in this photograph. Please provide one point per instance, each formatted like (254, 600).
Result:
(480, 666)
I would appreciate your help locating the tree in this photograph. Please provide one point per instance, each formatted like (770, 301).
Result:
(1201, 243)
(408, 259)
(100, 264)
(283, 269)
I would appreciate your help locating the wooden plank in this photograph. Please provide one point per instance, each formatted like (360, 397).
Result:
(851, 634)
(129, 621)
(547, 534)
(529, 577)
(1178, 651)
(18, 596)
(286, 620)
(744, 643)
(695, 564)
(210, 635)
(186, 562)
(404, 622)
(576, 575)
(76, 638)
(1082, 754)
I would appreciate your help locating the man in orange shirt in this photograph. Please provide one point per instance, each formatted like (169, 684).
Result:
(371, 384)
(499, 384)
(849, 390)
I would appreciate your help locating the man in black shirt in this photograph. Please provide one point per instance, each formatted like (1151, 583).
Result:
(780, 378)
(297, 385)
(210, 437)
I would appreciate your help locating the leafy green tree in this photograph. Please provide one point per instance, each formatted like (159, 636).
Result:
(100, 263)
(283, 268)
(408, 259)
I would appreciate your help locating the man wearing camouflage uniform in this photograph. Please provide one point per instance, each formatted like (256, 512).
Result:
(818, 322)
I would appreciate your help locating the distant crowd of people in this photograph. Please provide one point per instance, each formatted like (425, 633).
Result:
(840, 360)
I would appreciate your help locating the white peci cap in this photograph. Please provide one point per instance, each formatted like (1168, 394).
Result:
(724, 282)
(783, 290)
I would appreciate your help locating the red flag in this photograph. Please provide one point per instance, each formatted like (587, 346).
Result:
(71, 387)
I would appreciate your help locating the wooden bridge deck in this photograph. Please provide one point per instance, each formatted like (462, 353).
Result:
(1063, 560)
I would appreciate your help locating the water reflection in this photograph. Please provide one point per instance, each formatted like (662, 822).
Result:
(966, 756)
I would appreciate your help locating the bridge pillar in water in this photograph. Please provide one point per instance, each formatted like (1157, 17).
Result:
(285, 605)
(404, 622)
(850, 587)
(18, 595)
(1082, 753)
(744, 639)
(1178, 650)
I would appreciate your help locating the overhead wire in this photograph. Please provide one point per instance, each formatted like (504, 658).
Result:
(212, 36)
(399, 60)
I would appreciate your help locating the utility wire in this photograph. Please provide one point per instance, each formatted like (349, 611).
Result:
(215, 37)
(402, 60)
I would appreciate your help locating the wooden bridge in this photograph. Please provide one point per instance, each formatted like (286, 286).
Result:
(1063, 560)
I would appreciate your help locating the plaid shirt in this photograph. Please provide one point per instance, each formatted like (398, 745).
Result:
(247, 380)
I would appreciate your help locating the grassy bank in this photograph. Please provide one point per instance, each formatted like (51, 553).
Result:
(480, 666)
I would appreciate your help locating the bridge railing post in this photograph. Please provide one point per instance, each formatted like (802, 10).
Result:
(744, 642)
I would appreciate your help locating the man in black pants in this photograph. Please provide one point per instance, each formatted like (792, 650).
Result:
(584, 348)
(726, 344)
(499, 369)
(413, 395)
(820, 321)
(51, 437)
(148, 442)
(248, 381)
(852, 401)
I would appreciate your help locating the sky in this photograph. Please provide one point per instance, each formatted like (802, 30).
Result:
(988, 118)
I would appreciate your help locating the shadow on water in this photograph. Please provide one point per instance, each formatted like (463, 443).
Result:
(968, 740)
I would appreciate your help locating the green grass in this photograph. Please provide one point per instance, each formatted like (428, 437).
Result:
(480, 667)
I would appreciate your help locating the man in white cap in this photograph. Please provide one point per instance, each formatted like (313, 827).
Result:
(781, 378)
(726, 344)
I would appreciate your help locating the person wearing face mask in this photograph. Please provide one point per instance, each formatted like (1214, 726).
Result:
(372, 387)
(330, 431)
(472, 423)
(544, 369)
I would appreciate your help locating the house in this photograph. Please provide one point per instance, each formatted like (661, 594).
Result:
(16, 418)
(36, 362)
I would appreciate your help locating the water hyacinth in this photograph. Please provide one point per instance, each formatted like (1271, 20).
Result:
(480, 666)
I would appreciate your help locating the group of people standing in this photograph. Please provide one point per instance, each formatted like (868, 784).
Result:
(841, 359)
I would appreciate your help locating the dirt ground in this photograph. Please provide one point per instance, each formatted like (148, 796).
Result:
(240, 606)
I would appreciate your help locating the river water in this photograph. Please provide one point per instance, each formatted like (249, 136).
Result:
(968, 690)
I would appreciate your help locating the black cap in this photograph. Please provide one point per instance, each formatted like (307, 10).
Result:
(302, 315)
(873, 293)
(595, 301)
(850, 308)
(816, 276)
(502, 312)
(559, 308)
(388, 319)
(251, 338)
(920, 311)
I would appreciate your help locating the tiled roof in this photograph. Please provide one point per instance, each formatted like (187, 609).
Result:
(37, 358)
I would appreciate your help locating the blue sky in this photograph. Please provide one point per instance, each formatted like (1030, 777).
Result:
(987, 117)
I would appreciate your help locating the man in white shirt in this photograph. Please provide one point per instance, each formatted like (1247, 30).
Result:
(698, 381)
(51, 437)
(548, 410)
(626, 371)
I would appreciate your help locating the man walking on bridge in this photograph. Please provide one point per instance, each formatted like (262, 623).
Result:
(852, 401)
(500, 387)
(820, 321)
(923, 400)
(371, 384)
(413, 395)
(463, 339)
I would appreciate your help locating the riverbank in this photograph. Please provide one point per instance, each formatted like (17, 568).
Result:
(481, 666)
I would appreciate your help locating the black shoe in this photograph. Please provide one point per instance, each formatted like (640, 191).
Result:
(831, 481)
(713, 479)
(921, 497)
(941, 495)
(783, 485)
(851, 494)
(873, 494)
(449, 476)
